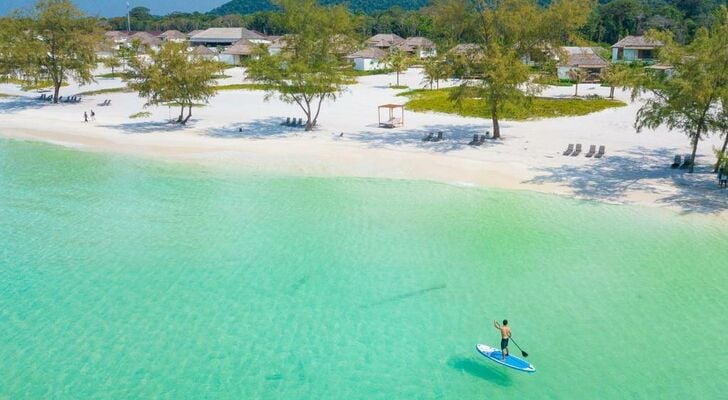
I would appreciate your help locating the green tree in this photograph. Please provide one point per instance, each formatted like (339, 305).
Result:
(398, 61)
(55, 42)
(686, 98)
(309, 71)
(171, 76)
(510, 31)
(577, 75)
(617, 75)
(435, 69)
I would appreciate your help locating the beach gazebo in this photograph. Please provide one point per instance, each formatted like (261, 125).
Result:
(392, 120)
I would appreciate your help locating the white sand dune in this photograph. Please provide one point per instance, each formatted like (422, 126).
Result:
(635, 169)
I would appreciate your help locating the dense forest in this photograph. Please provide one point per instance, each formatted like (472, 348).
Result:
(609, 21)
(364, 6)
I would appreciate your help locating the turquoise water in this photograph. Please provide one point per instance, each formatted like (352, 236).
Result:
(124, 278)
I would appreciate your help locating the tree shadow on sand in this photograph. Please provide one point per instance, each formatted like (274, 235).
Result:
(14, 104)
(454, 137)
(612, 177)
(480, 370)
(255, 129)
(148, 127)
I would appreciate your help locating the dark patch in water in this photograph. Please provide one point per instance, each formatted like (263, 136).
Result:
(407, 295)
(299, 283)
(274, 377)
(480, 370)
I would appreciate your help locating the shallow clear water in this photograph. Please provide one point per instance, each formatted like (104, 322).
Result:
(123, 278)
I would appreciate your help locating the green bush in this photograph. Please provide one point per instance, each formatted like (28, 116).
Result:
(143, 114)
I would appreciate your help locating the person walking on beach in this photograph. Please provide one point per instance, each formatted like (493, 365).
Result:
(93, 115)
(505, 335)
(85, 116)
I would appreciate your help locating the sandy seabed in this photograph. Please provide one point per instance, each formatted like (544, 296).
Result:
(241, 128)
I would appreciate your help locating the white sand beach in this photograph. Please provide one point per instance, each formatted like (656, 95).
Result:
(635, 170)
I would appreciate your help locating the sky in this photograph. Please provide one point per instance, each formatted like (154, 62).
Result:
(112, 8)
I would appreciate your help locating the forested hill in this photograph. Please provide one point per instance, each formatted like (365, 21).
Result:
(366, 6)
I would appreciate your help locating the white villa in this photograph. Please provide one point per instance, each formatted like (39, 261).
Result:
(369, 59)
(635, 48)
(419, 46)
(239, 51)
(584, 58)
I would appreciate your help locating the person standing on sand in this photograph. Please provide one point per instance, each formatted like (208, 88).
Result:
(505, 335)
(85, 117)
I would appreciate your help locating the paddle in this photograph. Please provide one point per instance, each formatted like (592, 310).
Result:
(519, 348)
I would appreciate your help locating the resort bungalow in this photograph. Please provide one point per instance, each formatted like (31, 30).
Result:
(173, 36)
(635, 48)
(204, 52)
(418, 46)
(239, 51)
(277, 44)
(384, 40)
(193, 33)
(583, 58)
(369, 59)
(214, 37)
(147, 41)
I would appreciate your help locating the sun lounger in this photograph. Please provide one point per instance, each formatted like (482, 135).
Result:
(569, 150)
(686, 163)
(300, 123)
(428, 138)
(475, 141)
(577, 150)
(591, 152)
(438, 138)
(286, 122)
(482, 138)
(600, 153)
(676, 163)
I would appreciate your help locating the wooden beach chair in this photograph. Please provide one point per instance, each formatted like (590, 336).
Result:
(482, 138)
(686, 163)
(591, 152)
(577, 150)
(286, 122)
(438, 138)
(600, 153)
(429, 137)
(568, 150)
(475, 141)
(676, 162)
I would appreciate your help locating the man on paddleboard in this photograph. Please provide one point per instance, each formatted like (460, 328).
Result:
(505, 335)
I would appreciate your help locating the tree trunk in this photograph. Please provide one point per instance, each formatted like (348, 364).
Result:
(318, 110)
(496, 126)
(611, 92)
(397, 77)
(576, 89)
(722, 150)
(181, 114)
(189, 114)
(56, 91)
(695, 149)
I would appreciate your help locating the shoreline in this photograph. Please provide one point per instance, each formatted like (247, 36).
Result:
(241, 129)
(305, 160)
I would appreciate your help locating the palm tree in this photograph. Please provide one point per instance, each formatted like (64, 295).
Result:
(397, 60)
(577, 75)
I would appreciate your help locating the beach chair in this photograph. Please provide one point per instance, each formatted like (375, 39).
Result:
(475, 141)
(108, 102)
(686, 163)
(428, 138)
(487, 134)
(300, 122)
(286, 122)
(482, 139)
(676, 162)
(42, 97)
(438, 138)
(569, 150)
(591, 152)
(577, 150)
(600, 153)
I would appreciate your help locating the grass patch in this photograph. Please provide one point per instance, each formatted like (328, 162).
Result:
(538, 107)
(143, 114)
(244, 86)
(176, 104)
(398, 87)
(122, 75)
(105, 91)
(3, 95)
(353, 72)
